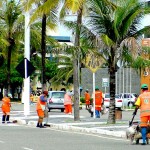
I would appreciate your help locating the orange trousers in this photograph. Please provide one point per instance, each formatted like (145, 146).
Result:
(145, 121)
(68, 108)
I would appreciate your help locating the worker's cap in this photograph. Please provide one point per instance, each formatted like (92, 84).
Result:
(96, 88)
(87, 89)
(45, 92)
(144, 86)
(10, 95)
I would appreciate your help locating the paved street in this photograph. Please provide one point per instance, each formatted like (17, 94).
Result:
(31, 138)
(65, 133)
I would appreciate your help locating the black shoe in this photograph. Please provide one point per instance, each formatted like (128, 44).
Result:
(37, 125)
(143, 144)
(42, 127)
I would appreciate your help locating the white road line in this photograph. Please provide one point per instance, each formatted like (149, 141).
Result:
(26, 148)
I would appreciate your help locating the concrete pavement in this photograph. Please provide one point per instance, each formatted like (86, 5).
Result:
(86, 123)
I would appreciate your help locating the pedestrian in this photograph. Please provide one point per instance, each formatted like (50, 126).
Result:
(87, 98)
(143, 102)
(68, 103)
(31, 99)
(6, 108)
(98, 101)
(40, 107)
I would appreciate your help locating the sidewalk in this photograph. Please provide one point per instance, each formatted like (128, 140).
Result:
(86, 124)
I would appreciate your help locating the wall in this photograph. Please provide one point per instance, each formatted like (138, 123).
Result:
(127, 80)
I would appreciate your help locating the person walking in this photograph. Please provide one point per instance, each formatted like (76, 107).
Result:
(6, 108)
(98, 101)
(143, 102)
(40, 107)
(87, 98)
(68, 103)
(31, 99)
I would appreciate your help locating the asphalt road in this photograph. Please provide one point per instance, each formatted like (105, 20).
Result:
(30, 138)
(126, 115)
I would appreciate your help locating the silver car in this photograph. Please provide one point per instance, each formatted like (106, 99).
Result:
(55, 100)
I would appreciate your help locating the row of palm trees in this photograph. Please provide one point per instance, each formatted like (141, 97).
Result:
(111, 30)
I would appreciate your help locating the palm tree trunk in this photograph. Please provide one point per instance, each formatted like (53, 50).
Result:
(112, 84)
(43, 48)
(76, 69)
(11, 44)
(8, 69)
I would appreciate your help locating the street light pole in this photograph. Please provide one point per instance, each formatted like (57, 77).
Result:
(26, 94)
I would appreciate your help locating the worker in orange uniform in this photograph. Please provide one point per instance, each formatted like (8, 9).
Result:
(40, 107)
(143, 102)
(68, 103)
(6, 108)
(98, 101)
(31, 98)
(87, 98)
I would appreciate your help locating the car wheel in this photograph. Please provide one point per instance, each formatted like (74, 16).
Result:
(130, 104)
(62, 110)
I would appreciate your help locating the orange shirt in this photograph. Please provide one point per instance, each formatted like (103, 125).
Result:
(98, 99)
(6, 104)
(87, 96)
(41, 104)
(144, 102)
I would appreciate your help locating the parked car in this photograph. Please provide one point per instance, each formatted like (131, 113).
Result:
(118, 100)
(129, 98)
(56, 100)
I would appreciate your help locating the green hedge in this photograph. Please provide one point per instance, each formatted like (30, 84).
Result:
(82, 99)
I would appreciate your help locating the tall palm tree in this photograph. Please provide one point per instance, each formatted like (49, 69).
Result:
(11, 24)
(73, 5)
(49, 19)
(114, 23)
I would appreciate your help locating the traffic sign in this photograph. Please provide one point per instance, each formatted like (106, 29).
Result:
(105, 82)
(21, 68)
(93, 62)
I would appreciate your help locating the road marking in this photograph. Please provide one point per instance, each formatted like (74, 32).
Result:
(26, 148)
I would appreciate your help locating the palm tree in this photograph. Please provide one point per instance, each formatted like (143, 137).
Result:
(73, 5)
(11, 31)
(49, 19)
(114, 23)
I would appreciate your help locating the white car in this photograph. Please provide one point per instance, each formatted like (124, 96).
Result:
(118, 100)
(129, 98)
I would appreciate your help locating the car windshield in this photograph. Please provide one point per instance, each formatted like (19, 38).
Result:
(136, 95)
(117, 96)
(108, 96)
(58, 95)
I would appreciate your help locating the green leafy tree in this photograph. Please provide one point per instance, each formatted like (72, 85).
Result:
(10, 27)
(114, 24)
(46, 11)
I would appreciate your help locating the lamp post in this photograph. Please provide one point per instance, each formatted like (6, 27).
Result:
(26, 94)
